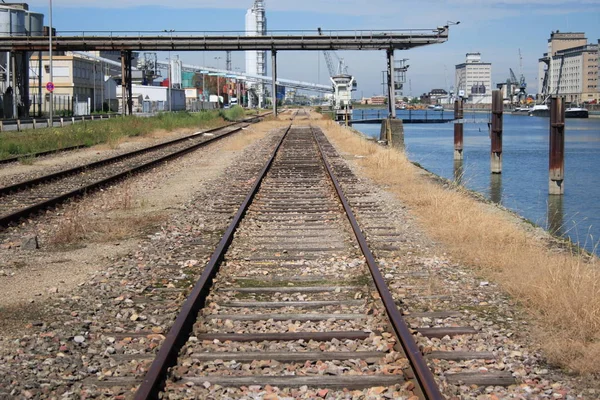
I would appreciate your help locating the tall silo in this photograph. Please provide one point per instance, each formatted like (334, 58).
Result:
(16, 20)
(256, 25)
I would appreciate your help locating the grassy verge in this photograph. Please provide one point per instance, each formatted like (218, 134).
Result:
(90, 133)
(560, 289)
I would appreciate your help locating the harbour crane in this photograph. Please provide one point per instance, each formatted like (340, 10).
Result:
(343, 85)
(522, 83)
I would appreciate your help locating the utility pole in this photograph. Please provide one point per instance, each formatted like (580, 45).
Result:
(170, 31)
(94, 91)
(51, 68)
(169, 70)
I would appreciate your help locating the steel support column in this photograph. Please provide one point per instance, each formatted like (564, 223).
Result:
(14, 86)
(126, 83)
(557, 146)
(274, 72)
(391, 84)
(496, 132)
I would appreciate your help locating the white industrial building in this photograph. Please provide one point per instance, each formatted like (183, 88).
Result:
(256, 61)
(473, 80)
(154, 98)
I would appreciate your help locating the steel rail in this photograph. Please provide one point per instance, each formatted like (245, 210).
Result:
(405, 337)
(41, 154)
(75, 170)
(16, 216)
(183, 325)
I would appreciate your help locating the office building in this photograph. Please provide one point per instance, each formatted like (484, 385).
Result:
(473, 80)
(569, 68)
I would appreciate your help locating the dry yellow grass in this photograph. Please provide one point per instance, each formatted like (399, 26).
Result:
(560, 290)
(104, 219)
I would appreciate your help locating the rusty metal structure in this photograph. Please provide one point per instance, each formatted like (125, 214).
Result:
(458, 129)
(557, 146)
(496, 131)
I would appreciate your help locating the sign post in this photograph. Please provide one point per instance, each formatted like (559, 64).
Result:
(50, 87)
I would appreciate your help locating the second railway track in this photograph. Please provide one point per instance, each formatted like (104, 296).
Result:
(294, 300)
(25, 198)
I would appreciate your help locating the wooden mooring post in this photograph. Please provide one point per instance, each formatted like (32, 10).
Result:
(496, 132)
(458, 130)
(557, 146)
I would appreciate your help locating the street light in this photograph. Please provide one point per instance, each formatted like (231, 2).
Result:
(170, 31)
(217, 59)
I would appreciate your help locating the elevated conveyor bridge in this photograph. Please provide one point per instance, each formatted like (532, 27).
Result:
(274, 41)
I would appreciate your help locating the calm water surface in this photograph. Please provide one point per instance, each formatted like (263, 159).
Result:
(523, 184)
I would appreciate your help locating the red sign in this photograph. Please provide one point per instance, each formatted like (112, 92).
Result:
(50, 87)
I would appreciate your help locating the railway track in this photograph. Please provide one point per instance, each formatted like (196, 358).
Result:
(28, 197)
(39, 154)
(292, 297)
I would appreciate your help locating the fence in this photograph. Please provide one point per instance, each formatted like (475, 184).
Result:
(196, 105)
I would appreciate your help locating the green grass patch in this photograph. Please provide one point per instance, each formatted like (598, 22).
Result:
(90, 133)
(232, 114)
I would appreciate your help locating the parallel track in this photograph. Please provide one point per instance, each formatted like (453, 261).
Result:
(25, 198)
(297, 286)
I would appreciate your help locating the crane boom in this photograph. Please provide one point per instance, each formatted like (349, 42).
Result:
(513, 78)
(329, 62)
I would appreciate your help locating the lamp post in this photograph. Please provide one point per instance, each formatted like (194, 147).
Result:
(51, 69)
(170, 31)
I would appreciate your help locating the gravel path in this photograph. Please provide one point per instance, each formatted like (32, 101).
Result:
(91, 328)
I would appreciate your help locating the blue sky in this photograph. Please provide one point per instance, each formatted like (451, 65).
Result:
(497, 29)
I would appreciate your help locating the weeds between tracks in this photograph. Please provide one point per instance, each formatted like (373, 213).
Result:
(561, 289)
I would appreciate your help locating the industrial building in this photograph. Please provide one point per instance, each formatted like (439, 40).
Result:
(569, 68)
(256, 61)
(76, 80)
(473, 80)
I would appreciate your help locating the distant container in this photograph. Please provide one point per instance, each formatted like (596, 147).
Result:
(191, 94)
(187, 80)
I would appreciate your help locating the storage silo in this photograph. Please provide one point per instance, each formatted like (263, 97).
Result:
(34, 24)
(15, 20)
(12, 21)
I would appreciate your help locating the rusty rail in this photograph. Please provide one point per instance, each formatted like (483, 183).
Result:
(155, 377)
(403, 333)
(167, 355)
